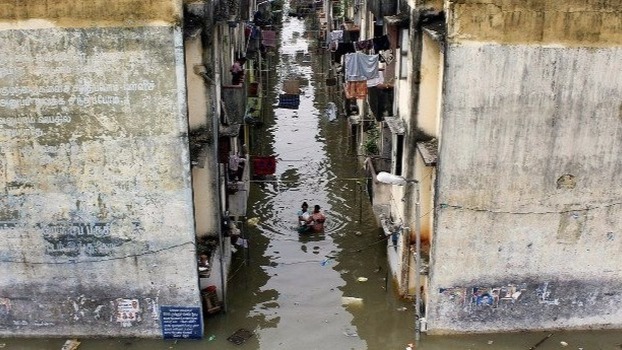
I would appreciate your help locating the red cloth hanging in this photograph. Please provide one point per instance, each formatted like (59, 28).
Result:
(264, 165)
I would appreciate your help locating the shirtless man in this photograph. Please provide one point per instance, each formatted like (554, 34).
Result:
(317, 219)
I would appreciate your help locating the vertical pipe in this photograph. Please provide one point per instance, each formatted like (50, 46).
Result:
(417, 264)
(223, 285)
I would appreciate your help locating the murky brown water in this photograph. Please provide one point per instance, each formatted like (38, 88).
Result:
(303, 292)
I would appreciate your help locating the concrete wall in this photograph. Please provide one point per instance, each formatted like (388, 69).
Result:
(529, 205)
(96, 206)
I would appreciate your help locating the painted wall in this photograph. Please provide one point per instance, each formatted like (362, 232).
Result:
(431, 82)
(529, 205)
(96, 206)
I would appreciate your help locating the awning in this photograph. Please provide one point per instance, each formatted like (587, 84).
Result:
(396, 125)
(399, 20)
(428, 151)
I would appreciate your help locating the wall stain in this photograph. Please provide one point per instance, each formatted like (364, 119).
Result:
(91, 13)
(571, 22)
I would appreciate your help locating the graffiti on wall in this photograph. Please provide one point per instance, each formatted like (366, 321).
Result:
(126, 312)
(89, 239)
(496, 296)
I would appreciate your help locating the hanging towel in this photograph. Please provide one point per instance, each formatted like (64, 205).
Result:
(268, 38)
(360, 66)
(379, 79)
(356, 89)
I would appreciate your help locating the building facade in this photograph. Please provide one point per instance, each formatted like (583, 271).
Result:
(507, 124)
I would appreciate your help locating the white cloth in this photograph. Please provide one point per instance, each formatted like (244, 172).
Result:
(336, 35)
(360, 66)
(379, 79)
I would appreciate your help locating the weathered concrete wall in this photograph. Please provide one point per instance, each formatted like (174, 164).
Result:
(529, 205)
(567, 22)
(96, 205)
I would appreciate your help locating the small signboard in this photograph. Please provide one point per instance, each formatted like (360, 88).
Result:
(180, 322)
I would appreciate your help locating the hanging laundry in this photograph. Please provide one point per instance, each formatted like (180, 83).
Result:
(291, 87)
(263, 165)
(387, 56)
(379, 79)
(343, 49)
(289, 101)
(356, 89)
(336, 35)
(360, 66)
(381, 43)
(268, 38)
(364, 45)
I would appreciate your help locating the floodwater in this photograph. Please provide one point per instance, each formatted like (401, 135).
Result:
(320, 291)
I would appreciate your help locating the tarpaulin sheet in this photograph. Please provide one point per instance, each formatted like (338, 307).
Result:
(289, 101)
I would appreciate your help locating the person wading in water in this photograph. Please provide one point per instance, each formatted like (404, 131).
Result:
(303, 216)
(316, 221)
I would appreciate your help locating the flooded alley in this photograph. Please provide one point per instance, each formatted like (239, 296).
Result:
(328, 290)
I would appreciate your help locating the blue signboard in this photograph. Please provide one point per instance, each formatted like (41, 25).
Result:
(180, 322)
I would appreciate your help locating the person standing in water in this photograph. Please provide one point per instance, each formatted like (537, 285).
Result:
(316, 220)
(303, 216)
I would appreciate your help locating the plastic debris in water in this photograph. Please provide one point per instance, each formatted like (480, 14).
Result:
(351, 301)
(325, 262)
(331, 111)
(211, 337)
(253, 221)
(362, 279)
(563, 343)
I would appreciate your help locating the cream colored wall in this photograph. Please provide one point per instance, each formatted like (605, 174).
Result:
(95, 187)
(197, 92)
(431, 84)
(529, 168)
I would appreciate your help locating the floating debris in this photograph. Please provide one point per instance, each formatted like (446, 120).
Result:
(351, 301)
(71, 344)
(252, 221)
(362, 279)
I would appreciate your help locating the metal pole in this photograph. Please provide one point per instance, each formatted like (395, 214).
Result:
(417, 263)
